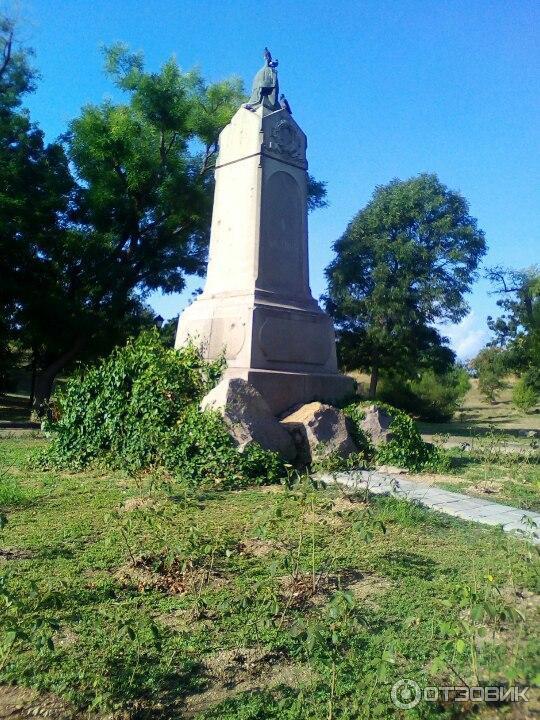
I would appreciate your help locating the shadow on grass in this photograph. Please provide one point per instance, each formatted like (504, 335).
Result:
(14, 408)
(474, 427)
(152, 693)
(399, 563)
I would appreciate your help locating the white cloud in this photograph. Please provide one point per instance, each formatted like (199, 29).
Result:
(467, 337)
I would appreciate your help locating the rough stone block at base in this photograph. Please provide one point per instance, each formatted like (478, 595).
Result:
(284, 390)
(319, 431)
(377, 424)
(248, 417)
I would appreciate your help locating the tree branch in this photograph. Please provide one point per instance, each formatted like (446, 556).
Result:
(210, 151)
(6, 54)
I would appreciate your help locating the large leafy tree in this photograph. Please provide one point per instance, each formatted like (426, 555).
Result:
(404, 263)
(54, 300)
(35, 187)
(79, 254)
(140, 217)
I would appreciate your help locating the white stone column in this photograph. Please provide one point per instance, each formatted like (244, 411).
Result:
(257, 306)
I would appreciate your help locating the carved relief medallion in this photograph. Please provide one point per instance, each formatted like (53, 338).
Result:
(286, 139)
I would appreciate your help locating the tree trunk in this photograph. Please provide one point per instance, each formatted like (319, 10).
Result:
(45, 379)
(373, 382)
(33, 381)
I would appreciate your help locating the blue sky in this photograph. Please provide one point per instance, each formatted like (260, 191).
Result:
(382, 88)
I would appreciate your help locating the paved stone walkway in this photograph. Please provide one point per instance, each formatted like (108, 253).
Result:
(513, 520)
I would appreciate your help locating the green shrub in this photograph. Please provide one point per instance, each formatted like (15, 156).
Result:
(406, 448)
(200, 451)
(432, 396)
(356, 411)
(524, 395)
(139, 407)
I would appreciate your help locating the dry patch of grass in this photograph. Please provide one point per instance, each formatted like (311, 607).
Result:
(256, 547)
(15, 554)
(138, 503)
(155, 572)
(303, 589)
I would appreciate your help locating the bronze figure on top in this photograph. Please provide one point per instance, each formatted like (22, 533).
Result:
(265, 90)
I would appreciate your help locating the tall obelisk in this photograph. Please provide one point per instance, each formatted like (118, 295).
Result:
(257, 305)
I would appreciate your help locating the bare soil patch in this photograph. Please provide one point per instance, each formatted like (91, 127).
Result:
(65, 638)
(525, 600)
(231, 672)
(138, 503)
(369, 586)
(335, 513)
(430, 478)
(485, 487)
(347, 503)
(16, 554)
(151, 572)
(186, 619)
(19, 703)
(256, 547)
(304, 589)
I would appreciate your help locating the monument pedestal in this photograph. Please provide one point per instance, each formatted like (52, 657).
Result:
(257, 306)
(283, 390)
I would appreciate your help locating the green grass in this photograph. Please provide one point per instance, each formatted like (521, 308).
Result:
(510, 479)
(489, 469)
(135, 595)
(11, 492)
(478, 417)
(500, 463)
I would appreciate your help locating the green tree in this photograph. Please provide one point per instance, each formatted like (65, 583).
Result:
(35, 189)
(430, 395)
(404, 263)
(491, 367)
(16, 78)
(524, 395)
(517, 330)
(47, 254)
(143, 203)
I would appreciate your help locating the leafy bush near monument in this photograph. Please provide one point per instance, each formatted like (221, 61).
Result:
(431, 396)
(406, 449)
(201, 450)
(139, 407)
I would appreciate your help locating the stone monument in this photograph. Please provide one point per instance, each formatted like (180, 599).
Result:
(257, 305)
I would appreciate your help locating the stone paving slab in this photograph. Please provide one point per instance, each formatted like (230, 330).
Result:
(512, 520)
